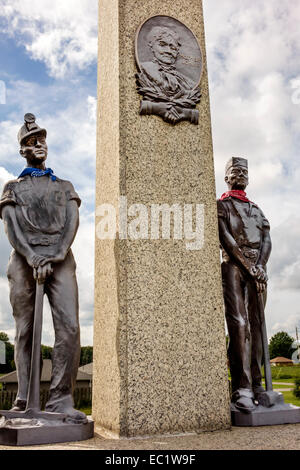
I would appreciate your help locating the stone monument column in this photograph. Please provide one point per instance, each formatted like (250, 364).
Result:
(159, 337)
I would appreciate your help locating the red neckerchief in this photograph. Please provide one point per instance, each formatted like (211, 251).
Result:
(236, 193)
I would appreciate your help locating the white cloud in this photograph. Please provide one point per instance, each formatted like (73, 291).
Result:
(252, 57)
(288, 325)
(71, 132)
(62, 34)
(285, 261)
(253, 49)
(4, 177)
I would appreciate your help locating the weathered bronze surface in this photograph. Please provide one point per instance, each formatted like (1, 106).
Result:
(169, 59)
(246, 247)
(41, 218)
(246, 244)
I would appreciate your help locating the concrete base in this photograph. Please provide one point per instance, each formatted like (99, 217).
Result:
(44, 433)
(277, 414)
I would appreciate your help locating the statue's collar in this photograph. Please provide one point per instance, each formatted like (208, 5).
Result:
(164, 67)
(237, 194)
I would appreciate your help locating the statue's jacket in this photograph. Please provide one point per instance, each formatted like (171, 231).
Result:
(246, 223)
(41, 209)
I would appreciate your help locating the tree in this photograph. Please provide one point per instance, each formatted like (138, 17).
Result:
(4, 337)
(46, 351)
(281, 345)
(86, 355)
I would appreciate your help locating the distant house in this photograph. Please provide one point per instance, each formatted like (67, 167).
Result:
(281, 362)
(88, 369)
(10, 381)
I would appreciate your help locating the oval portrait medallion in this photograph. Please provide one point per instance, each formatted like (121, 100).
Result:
(169, 60)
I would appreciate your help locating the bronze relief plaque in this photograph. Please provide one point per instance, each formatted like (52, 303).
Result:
(170, 62)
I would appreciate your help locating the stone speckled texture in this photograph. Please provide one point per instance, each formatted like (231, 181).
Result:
(264, 438)
(159, 338)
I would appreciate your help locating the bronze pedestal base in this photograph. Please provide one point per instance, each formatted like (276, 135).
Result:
(262, 416)
(44, 432)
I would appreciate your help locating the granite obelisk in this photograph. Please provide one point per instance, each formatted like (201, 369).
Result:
(159, 338)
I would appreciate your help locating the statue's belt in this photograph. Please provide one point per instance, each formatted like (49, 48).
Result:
(251, 253)
(46, 240)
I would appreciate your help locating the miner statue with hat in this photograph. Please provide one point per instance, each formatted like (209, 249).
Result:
(246, 247)
(40, 215)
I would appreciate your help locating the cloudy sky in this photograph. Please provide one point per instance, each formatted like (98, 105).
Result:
(48, 66)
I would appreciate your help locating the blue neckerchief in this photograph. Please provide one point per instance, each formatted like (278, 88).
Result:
(37, 173)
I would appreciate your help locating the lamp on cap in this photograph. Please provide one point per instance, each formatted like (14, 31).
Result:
(29, 128)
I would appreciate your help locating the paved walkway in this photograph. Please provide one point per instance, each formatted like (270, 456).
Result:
(284, 383)
(283, 389)
(285, 437)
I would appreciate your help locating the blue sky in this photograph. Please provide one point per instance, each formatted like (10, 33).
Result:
(48, 62)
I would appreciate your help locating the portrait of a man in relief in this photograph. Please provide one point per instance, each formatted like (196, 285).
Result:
(166, 91)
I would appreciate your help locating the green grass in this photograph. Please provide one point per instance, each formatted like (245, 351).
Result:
(285, 373)
(87, 411)
(290, 381)
(290, 398)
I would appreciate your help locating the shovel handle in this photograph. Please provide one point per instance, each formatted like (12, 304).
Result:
(33, 398)
(264, 337)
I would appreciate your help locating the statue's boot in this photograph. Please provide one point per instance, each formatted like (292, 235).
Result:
(257, 389)
(66, 407)
(19, 405)
(243, 400)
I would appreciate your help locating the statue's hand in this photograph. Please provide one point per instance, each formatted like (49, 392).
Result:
(261, 287)
(37, 260)
(58, 258)
(41, 273)
(260, 276)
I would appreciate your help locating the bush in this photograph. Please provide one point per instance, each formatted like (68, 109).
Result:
(296, 390)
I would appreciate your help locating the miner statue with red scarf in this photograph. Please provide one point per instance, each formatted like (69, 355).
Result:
(246, 247)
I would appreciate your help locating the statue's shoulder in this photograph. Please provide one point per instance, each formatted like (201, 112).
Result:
(12, 185)
(69, 189)
(223, 206)
(66, 184)
(224, 202)
(264, 221)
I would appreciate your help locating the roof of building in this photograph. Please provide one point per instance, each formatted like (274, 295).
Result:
(87, 368)
(46, 374)
(281, 359)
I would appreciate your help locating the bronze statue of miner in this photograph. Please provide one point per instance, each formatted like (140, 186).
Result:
(246, 247)
(40, 214)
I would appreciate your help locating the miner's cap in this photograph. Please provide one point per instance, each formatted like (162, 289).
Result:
(236, 161)
(29, 128)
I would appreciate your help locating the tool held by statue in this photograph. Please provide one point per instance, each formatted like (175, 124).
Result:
(33, 407)
(267, 398)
